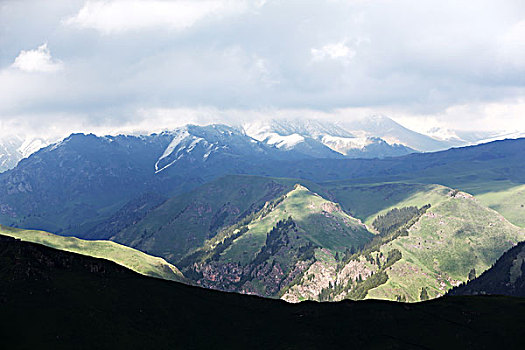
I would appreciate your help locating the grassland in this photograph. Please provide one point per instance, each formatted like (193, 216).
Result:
(457, 234)
(453, 237)
(324, 223)
(185, 222)
(128, 257)
(367, 201)
(509, 202)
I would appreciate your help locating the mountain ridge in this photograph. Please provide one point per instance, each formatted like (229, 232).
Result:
(125, 256)
(322, 139)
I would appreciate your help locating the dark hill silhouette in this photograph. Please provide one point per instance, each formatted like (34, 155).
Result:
(55, 299)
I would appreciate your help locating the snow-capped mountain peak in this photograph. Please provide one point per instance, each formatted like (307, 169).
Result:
(16, 147)
(317, 138)
(196, 144)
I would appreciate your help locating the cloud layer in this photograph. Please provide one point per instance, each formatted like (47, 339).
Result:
(108, 63)
(116, 17)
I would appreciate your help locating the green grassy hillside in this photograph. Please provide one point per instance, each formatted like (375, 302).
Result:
(433, 251)
(185, 222)
(508, 201)
(263, 253)
(505, 277)
(323, 222)
(366, 201)
(133, 259)
(451, 239)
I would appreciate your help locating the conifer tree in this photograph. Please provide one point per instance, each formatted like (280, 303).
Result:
(424, 294)
(472, 274)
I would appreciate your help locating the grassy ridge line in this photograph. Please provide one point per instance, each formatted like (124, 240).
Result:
(367, 201)
(509, 202)
(128, 257)
(307, 209)
(444, 245)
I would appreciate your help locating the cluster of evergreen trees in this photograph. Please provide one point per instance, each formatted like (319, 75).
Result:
(402, 220)
(226, 237)
(362, 286)
(397, 218)
(391, 225)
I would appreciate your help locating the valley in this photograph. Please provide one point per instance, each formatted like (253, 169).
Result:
(254, 216)
(234, 174)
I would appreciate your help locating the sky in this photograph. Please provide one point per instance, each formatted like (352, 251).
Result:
(110, 66)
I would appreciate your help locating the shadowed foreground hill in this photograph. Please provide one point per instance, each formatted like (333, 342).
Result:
(128, 257)
(56, 299)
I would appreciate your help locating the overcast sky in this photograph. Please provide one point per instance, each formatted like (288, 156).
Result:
(124, 65)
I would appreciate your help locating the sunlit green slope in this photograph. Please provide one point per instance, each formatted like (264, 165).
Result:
(509, 202)
(437, 248)
(367, 201)
(265, 251)
(184, 222)
(323, 222)
(122, 255)
(452, 239)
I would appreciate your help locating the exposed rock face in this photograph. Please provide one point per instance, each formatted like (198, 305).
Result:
(355, 269)
(318, 277)
(284, 257)
(330, 207)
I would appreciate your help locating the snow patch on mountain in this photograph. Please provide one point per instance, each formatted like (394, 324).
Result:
(443, 134)
(178, 137)
(30, 146)
(342, 144)
(323, 139)
(16, 147)
(197, 144)
(390, 131)
(503, 136)
(280, 141)
(183, 143)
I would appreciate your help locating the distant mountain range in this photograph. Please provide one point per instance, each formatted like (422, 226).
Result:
(282, 213)
(371, 137)
(323, 139)
(81, 181)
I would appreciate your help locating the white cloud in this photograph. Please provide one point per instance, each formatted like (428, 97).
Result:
(507, 115)
(334, 51)
(38, 60)
(456, 65)
(119, 16)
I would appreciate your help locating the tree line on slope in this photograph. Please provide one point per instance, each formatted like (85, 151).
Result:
(391, 225)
